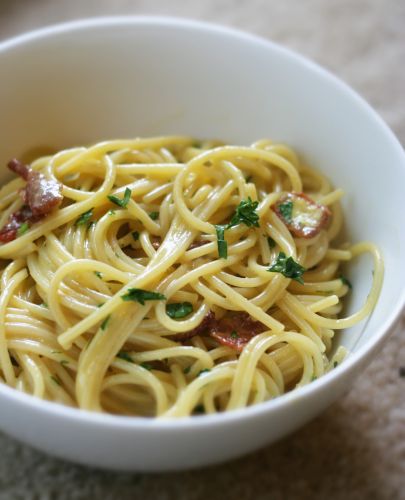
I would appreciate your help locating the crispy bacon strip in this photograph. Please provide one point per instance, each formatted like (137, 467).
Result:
(196, 244)
(40, 197)
(302, 215)
(236, 329)
(203, 328)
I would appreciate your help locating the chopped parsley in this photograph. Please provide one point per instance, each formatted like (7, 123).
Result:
(234, 334)
(44, 304)
(221, 243)
(179, 309)
(101, 304)
(55, 379)
(154, 215)
(199, 409)
(125, 356)
(335, 363)
(313, 378)
(205, 370)
(249, 179)
(288, 268)
(345, 281)
(84, 218)
(98, 274)
(104, 324)
(23, 228)
(147, 366)
(271, 242)
(245, 213)
(64, 362)
(135, 235)
(286, 210)
(121, 203)
(139, 295)
(187, 370)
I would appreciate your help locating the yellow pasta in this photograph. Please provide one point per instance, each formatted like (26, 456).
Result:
(103, 301)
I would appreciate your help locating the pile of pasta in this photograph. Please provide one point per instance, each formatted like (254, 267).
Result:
(174, 278)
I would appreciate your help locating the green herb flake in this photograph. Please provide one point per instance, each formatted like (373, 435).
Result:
(121, 203)
(44, 304)
(345, 281)
(125, 356)
(23, 228)
(104, 324)
(98, 274)
(64, 362)
(139, 295)
(271, 242)
(186, 370)
(288, 268)
(313, 378)
(84, 218)
(335, 364)
(179, 309)
(147, 366)
(221, 243)
(249, 179)
(205, 370)
(101, 304)
(234, 334)
(135, 235)
(154, 215)
(286, 210)
(245, 213)
(55, 379)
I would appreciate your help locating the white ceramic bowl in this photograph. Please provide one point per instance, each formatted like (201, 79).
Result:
(105, 78)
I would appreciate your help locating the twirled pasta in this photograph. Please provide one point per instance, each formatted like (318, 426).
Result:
(67, 335)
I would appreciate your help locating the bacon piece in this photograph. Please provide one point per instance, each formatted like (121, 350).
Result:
(302, 215)
(196, 244)
(205, 327)
(236, 329)
(156, 243)
(40, 197)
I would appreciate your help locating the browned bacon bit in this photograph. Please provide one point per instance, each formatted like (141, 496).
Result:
(156, 243)
(205, 327)
(9, 232)
(196, 244)
(236, 329)
(302, 215)
(40, 197)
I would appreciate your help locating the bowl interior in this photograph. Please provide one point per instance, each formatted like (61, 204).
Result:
(158, 77)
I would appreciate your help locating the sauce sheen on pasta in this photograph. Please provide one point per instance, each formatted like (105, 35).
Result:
(172, 277)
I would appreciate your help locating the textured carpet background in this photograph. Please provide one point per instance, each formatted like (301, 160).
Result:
(356, 449)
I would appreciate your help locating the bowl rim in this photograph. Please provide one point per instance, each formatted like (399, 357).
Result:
(317, 386)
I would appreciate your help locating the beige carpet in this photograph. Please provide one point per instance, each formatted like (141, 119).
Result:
(355, 450)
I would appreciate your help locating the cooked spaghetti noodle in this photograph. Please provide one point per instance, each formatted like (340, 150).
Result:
(108, 303)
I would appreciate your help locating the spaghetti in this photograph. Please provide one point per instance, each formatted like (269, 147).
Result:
(173, 278)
